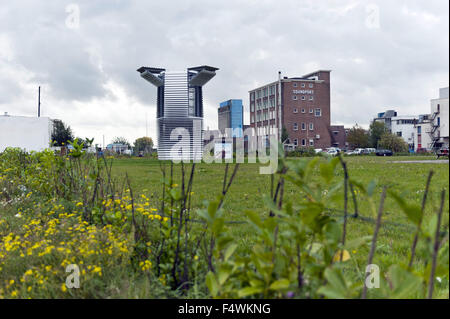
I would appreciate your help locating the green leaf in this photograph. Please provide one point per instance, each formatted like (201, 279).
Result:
(358, 242)
(412, 211)
(254, 218)
(404, 283)
(223, 273)
(211, 283)
(336, 287)
(229, 251)
(371, 188)
(248, 291)
(279, 284)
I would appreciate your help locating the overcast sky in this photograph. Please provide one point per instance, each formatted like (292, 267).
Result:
(383, 55)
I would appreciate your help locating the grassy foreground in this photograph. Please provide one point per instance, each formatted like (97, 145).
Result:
(42, 230)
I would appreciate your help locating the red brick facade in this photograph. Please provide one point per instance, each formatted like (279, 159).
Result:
(305, 109)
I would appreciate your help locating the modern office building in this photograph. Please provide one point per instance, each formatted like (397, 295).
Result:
(439, 120)
(386, 118)
(231, 116)
(422, 139)
(400, 125)
(299, 104)
(179, 108)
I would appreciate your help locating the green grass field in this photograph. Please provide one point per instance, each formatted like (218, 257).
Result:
(394, 241)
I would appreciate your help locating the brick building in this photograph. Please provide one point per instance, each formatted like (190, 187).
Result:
(338, 136)
(303, 108)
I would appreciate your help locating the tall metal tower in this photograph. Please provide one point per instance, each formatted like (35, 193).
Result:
(179, 108)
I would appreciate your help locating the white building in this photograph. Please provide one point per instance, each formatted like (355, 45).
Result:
(28, 133)
(422, 138)
(439, 120)
(403, 126)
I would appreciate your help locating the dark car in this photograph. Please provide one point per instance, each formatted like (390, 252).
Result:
(443, 152)
(383, 153)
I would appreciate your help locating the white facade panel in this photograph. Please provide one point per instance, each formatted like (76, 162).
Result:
(28, 133)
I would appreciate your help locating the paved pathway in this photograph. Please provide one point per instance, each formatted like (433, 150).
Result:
(423, 162)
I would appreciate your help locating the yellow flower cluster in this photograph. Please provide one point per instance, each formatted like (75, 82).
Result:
(145, 265)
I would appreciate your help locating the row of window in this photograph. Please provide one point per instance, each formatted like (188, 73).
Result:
(311, 126)
(295, 84)
(263, 116)
(264, 92)
(311, 142)
(270, 90)
(317, 112)
(303, 98)
(265, 104)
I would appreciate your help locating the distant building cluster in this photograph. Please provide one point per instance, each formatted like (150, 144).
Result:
(423, 132)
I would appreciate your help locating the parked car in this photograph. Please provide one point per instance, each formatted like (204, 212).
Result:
(332, 152)
(371, 150)
(384, 153)
(442, 152)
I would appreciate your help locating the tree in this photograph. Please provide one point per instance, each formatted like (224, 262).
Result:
(143, 144)
(358, 137)
(121, 140)
(61, 133)
(376, 130)
(393, 142)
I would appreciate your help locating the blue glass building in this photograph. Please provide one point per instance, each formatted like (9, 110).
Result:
(231, 115)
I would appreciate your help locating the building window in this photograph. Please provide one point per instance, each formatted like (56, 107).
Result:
(252, 119)
(318, 112)
(399, 134)
(294, 97)
(303, 142)
(265, 104)
(252, 107)
(265, 92)
(311, 85)
(311, 142)
(303, 126)
(295, 110)
(303, 110)
(311, 98)
(419, 130)
(294, 84)
(295, 127)
(303, 85)
(296, 142)
(252, 96)
(311, 126)
(303, 98)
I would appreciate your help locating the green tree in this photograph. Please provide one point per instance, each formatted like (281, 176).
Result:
(61, 133)
(121, 140)
(393, 142)
(358, 137)
(143, 144)
(376, 130)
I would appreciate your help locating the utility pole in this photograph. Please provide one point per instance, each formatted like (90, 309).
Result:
(39, 102)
